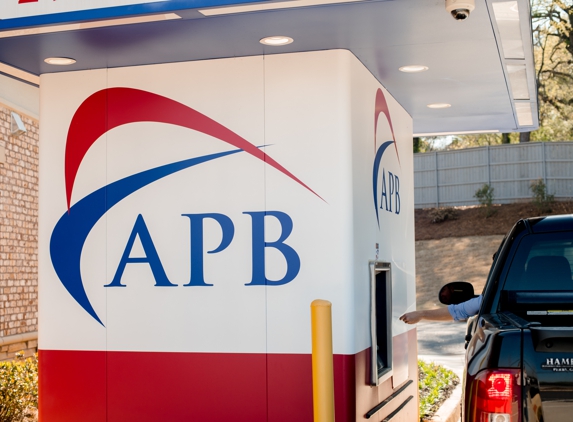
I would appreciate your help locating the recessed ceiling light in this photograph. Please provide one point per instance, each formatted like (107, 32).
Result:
(439, 105)
(276, 40)
(60, 61)
(413, 68)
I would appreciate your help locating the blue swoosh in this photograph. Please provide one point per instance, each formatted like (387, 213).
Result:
(375, 171)
(74, 226)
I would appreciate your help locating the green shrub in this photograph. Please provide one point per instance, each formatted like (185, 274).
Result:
(438, 215)
(18, 388)
(542, 200)
(485, 196)
(435, 384)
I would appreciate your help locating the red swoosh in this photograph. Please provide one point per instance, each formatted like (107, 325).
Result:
(381, 106)
(113, 107)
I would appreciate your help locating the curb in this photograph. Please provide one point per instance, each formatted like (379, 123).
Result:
(450, 410)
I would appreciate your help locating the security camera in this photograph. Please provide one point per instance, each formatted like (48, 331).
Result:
(460, 9)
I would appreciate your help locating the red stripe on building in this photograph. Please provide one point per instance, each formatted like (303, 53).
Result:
(158, 386)
(72, 385)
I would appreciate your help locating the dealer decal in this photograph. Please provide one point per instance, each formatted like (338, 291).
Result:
(558, 364)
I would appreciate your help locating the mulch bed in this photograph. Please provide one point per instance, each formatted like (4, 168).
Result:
(471, 221)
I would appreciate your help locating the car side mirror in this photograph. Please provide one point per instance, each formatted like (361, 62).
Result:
(456, 292)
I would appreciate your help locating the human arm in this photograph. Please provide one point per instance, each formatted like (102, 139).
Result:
(459, 312)
(465, 309)
(439, 314)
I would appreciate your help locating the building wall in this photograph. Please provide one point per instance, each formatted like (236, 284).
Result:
(262, 150)
(18, 233)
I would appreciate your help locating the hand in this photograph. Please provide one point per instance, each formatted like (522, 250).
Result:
(411, 317)
(439, 314)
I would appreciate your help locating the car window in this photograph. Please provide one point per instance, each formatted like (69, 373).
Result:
(542, 262)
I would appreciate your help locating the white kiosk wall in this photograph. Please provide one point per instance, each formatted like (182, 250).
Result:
(189, 215)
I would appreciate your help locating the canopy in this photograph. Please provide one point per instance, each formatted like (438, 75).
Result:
(480, 70)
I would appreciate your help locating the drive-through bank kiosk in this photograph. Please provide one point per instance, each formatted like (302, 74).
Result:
(191, 212)
(209, 168)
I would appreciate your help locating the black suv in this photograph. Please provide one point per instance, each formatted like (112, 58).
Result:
(519, 359)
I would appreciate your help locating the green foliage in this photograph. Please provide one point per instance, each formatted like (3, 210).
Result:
(434, 384)
(485, 197)
(481, 139)
(542, 200)
(417, 145)
(426, 144)
(552, 24)
(18, 388)
(439, 215)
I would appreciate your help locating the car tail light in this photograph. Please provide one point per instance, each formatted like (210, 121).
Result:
(495, 396)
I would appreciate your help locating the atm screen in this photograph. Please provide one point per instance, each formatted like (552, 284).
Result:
(381, 321)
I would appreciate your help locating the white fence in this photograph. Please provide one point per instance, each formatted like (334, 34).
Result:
(451, 178)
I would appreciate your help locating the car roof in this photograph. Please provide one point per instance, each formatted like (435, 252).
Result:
(553, 223)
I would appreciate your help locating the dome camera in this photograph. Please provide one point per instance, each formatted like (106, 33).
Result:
(460, 9)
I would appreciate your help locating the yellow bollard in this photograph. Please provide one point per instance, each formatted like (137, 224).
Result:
(322, 367)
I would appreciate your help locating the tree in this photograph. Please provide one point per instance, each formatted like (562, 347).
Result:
(429, 144)
(552, 22)
(482, 139)
(417, 144)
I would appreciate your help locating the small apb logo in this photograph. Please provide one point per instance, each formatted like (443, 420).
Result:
(387, 192)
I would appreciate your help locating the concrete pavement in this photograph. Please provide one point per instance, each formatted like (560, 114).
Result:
(443, 343)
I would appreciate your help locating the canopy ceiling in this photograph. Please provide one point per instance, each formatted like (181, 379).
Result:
(482, 66)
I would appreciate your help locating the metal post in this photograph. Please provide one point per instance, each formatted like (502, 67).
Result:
(488, 166)
(544, 166)
(437, 184)
(322, 366)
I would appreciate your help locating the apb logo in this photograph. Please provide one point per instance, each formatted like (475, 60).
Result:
(114, 107)
(390, 184)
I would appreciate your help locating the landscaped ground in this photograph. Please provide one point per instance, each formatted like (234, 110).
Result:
(471, 221)
(435, 384)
